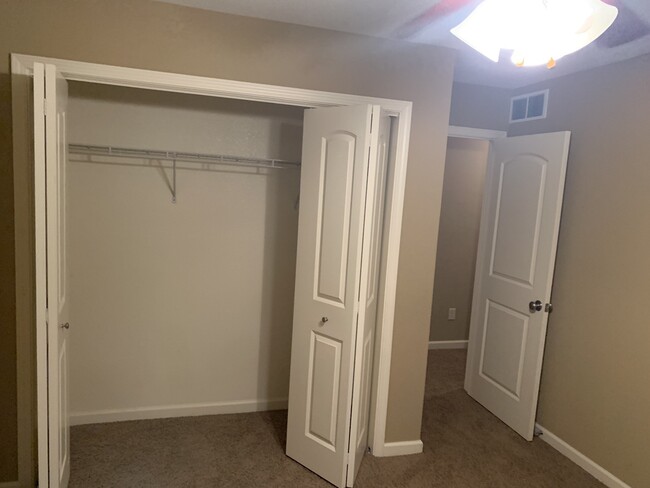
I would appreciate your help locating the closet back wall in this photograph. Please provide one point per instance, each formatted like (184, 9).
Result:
(186, 308)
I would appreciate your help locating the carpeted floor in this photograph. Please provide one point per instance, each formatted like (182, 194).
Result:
(464, 446)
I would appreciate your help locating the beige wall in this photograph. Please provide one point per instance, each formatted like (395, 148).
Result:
(164, 37)
(595, 391)
(167, 300)
(460, 219)
(482, 107)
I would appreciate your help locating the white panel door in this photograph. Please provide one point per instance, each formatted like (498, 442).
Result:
(514, 274)
(334, 197)
(370, 268)
(50, 159)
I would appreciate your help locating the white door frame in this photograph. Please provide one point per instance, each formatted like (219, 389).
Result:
(472, 133)
(28, 333)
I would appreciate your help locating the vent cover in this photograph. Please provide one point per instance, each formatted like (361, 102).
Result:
(531, 106)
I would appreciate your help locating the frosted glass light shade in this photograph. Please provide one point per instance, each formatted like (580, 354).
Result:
(537, 31)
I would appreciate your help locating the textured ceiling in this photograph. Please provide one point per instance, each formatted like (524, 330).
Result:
(383, 18)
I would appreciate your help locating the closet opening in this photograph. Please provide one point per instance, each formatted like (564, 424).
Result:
(180, 241)
(350, 144)
(182, 307)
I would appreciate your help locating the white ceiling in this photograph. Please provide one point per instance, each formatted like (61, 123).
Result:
(383, 18)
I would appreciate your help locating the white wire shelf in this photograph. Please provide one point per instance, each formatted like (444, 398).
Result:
(178, 156)
(228, 159)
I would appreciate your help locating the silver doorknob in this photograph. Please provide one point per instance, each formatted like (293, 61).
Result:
(66, 325)
(548, 307)
(535, 306)
(324, 319)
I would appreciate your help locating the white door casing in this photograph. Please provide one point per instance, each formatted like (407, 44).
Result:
(515, 263)
(335, 168)
(369, 288)
(32, 281)
(50, 159)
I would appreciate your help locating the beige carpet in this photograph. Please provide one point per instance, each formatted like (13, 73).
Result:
(464, 446)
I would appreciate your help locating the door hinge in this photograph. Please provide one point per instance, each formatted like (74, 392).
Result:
(44, 106)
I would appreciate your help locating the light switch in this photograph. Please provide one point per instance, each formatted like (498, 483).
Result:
(452, 314)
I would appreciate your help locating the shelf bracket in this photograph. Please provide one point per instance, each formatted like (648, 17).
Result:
(174, 181)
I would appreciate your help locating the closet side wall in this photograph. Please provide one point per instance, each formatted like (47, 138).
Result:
(460, 221)
(179, 308)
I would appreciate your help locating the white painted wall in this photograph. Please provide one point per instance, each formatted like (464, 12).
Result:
(179, 308)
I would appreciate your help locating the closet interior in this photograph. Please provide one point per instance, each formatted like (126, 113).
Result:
(182, 217)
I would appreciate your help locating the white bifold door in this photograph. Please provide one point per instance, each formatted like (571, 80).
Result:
(50, 159)
(342, 191)
(514, 274)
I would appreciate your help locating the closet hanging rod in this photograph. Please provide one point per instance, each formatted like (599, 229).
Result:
(124, 152)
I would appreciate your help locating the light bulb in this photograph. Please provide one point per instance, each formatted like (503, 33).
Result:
(538, 31)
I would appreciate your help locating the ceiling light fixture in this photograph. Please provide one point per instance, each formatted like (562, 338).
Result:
(537, 31)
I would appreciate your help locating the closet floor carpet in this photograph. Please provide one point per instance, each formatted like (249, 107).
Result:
(464, 446)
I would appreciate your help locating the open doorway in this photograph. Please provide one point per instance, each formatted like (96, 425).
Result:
(501, 210)
(460, 221)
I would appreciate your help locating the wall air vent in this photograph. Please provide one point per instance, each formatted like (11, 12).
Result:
(531, 106)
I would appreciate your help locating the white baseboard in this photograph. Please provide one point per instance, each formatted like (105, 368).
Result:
(189, 410)
(448, 344)
(401, 448)
(9, 484)
(596, 470)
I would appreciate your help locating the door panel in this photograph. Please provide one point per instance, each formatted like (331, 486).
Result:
(64, 427)
(323, 389)
(50, 159)
(333, 224)
(518, 217)
(365, 341)
(503, 347)
(334, 172)
(515, 264)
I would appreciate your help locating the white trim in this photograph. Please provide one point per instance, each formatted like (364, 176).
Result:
(212, 87)
(156, 80)
(473, 133)
(169, 411)
(25, 291)
(590, 466)
(447, 345)
(9, 484)
(402, 448)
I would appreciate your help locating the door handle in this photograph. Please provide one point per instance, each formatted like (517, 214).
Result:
(324, 320)
(535, 306)
(66, 325)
